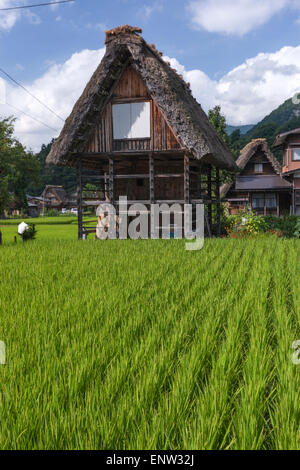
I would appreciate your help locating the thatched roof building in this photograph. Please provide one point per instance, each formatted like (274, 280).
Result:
(247, 153)
(259, 182)
(171, 94)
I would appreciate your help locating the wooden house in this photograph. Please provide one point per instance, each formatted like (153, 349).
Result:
(290, 143)
(259, 183)
(137, 131)
(54, 197)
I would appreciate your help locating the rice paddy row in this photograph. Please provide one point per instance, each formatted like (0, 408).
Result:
(143, 345)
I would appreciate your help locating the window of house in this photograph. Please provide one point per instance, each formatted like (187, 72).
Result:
(271, 201)
(131, 121)
(296, 155)
(258, 168)
(258, 201)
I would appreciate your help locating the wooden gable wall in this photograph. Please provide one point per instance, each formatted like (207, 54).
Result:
(258, 157)
(131, 88)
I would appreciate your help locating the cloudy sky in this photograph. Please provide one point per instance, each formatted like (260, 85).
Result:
(241, 54)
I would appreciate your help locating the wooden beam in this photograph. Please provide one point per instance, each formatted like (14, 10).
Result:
(79, 199)
(209, 190)
(111, 194)
(218, 202)
(129, 153)
(151, 178)
(186, 179)
(170, 175)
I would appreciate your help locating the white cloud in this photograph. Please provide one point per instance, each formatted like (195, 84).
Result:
(246, 94)
(9, 18)
(235, 16)
(54, 7)
(146, 11)
(252, 90)
(32, 17)
(59, 88)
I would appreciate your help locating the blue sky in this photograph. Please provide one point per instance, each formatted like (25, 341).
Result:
(236, 53)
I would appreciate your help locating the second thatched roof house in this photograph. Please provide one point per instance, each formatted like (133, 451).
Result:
(140, 130)
(259, 183)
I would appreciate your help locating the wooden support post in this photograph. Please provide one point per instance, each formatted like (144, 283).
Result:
(186, 179)
(111, 191)
(111, 194)
(151, 178)
(293, 200)
(209, 193)
(278, 204)
(105, 186)
(79, 198)
(0, 237)
(218, 202)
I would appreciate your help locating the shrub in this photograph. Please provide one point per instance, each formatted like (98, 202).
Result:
(52, 213)
(289, 225)
(245, 224)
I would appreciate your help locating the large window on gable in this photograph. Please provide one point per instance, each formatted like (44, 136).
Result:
(131, 120)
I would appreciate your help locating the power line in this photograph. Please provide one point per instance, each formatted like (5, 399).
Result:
(36, 5)
(31, 117)
(29, 93)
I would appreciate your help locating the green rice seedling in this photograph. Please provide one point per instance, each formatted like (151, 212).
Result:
(143, 345)
(285, 411)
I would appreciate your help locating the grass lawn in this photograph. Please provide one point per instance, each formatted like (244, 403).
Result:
(143, 345)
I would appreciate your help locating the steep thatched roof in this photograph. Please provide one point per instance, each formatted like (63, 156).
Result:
(246, 153)
(281, 138)
(172, 95)
(59, 192)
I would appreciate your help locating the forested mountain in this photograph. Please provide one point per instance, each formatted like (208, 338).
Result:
(286, 117)
(243, 129)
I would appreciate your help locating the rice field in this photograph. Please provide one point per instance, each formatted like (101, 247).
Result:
(143, 345)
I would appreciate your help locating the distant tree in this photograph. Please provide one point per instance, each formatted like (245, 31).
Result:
(18, 168)
(235, 136)
(51, 174)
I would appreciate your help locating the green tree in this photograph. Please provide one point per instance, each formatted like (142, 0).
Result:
(51, 174)
(18, 168)
(218, 120)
